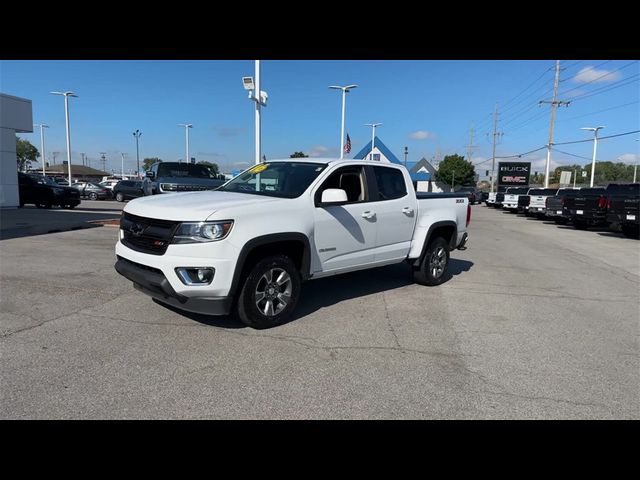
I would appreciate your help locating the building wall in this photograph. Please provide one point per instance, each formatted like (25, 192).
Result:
(15, 116)
(375, 152)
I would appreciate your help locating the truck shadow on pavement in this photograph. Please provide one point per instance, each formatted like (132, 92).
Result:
(325, 292)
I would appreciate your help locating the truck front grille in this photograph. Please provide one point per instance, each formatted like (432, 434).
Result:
(147, 235)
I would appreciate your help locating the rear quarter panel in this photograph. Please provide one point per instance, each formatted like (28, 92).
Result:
(432, 210)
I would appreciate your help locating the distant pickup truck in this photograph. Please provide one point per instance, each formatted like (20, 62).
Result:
(173, 177)
(623, 208)
(556, 207)
(537, 201)
(511, 195)
(249, 244)
(588, 208)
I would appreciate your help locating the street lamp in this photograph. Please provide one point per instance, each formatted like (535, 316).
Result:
(406, 152)
(595, 146)
(66, 112)
(186, 126)
(260, 98)
(42, 126)
(137, 134)
(344, 92)
(373, 135)
(122, 167)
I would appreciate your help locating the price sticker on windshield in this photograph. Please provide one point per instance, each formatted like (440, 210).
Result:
(259, 168)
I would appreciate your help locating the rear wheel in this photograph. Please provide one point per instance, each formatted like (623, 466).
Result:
(93, 196)
(270, 293)
(631, 231)
(580, 224)
(433, 264)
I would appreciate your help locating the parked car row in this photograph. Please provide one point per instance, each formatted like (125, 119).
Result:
(44, 192)
(616, 206)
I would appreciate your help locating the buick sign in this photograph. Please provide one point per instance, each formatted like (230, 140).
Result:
(513, 173)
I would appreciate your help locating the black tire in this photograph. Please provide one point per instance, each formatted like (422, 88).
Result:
(119, 197)
(433, 264)
(580, 224)
(93, 196)
(251, 311)
(631, 231)
(560, 220)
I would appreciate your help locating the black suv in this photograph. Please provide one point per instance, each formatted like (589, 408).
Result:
(127, 189)
(43, 192)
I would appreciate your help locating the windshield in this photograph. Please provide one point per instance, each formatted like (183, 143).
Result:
(276, 179)
(45, 180)
(176, 169)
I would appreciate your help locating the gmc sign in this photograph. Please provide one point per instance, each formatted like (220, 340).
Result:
(512, 174)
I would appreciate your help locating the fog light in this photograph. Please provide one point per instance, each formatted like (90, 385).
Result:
(195, 275)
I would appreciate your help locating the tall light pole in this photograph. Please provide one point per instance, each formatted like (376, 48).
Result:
(186, 126)
(635, 167)
(260, 98)
(595, 147)
(344, 94)
(406, 152)
(373, 135)
(122, 167)
(43, 126)
(137, 134)
(66, 112)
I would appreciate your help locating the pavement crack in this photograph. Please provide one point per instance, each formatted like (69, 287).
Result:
(551, 399)
(386, 316)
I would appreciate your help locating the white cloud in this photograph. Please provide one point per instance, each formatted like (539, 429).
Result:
(421, 135)
(629, 158)
(322, 151)
(590, 74)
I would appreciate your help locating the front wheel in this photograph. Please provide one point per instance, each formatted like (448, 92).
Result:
(270, 293)
(433, 264)
(93, 196)
(119, 197)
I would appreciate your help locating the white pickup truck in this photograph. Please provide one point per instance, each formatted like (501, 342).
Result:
(249, 244)
(511, 195)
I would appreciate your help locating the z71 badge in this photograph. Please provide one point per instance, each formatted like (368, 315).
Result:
(459, 200)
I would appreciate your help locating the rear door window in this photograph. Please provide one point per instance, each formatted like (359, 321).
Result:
(391, 184)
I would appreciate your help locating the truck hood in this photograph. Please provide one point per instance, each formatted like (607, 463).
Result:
(190, 181)
(191, 206)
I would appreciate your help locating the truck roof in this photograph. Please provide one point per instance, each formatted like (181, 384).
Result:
(333, 161)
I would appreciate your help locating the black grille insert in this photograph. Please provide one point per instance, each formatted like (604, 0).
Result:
(147, 235)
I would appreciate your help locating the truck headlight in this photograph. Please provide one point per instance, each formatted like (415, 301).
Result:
(169, 186)
(197, 232)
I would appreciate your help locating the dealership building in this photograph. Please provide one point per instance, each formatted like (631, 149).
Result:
(16, 116)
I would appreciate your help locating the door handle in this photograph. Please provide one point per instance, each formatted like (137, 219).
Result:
(368, 214)
(407, 210)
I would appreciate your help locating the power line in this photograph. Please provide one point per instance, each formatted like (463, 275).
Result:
(599, 138)
(572, 154)
(613, 86)
(600, 111)
(598, 78)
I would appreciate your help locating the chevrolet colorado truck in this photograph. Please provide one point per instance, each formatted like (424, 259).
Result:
(249, 244)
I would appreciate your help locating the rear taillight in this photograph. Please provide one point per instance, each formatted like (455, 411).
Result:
(468, 214)
(602, 202)
(609, 202)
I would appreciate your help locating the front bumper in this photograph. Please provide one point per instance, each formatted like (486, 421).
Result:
(152, 282)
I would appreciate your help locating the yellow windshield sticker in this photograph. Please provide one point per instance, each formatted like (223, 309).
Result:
(259, 168)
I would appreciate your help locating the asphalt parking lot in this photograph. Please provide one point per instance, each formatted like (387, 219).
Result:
(537, 321)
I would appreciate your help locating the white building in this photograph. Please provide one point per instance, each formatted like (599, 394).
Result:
(16, 116)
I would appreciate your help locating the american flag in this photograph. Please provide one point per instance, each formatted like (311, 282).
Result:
(347, 146)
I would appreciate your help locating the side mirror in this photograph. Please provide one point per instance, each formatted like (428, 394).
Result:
(333, 196)
(150, 175)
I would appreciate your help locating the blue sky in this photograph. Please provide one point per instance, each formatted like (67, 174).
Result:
(427, 106)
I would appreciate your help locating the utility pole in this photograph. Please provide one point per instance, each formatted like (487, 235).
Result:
(471, 147)
(104, 161)
(574, 177)
(82, 155)
(493, 156)
(554, 105)
(453, 177)
(54, 154)
(137, 134)
(122, 167)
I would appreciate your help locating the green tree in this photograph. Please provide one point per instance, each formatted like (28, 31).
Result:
(212, 166)
(298, 155)
(25, 153)
(455, 167)
(147, 162)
